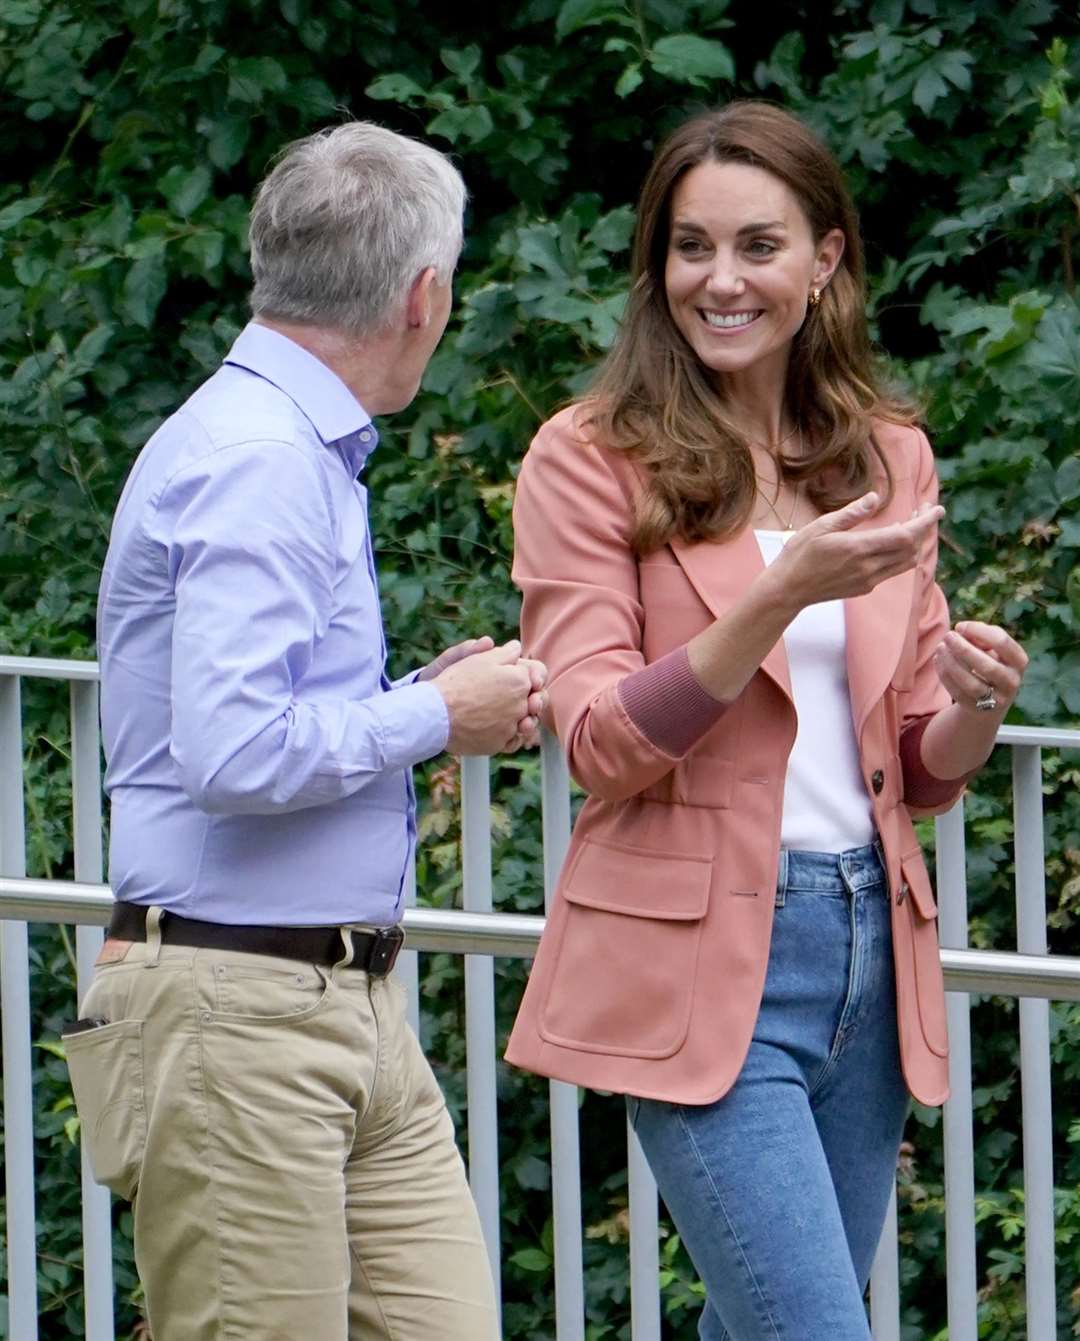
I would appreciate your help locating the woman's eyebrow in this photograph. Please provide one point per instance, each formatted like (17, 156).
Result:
(688, 226)
(763, 227)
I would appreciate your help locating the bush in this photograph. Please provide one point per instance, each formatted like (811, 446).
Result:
(134, 134)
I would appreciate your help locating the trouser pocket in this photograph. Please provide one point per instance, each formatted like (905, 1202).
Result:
(106, 1067)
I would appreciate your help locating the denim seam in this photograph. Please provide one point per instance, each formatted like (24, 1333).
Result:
(767, 1317)
(849, 1011)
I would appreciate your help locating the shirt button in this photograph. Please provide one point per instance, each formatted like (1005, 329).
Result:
(877, 781)
(365, 435)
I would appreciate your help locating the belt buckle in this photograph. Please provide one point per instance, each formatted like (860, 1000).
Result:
(386, 943)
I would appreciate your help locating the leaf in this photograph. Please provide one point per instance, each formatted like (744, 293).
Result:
(538, 246)
(576, 14)
(1067, 479)
(929, 87)
(91, 347)
(185, 189)
(19, 210)
(30, 269)
(531, 1259)
(394, 88)
(463, 63)
(691, 59)
(1054, 353)
(629, 80)
(144, 288)
(471, 122)
(614, 230)
(532, 1173)
(1072, 593)
(227, 139)
(253, 77)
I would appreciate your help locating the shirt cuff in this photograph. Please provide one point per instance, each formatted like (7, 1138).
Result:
(921, 788)
(415, 723)
(668, 705)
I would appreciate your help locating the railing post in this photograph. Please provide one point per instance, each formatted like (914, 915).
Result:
(1034, 1048)
(407, 967)
(565, 1133)
(961, 1277)
(15, 1010)
(644, 1243)
(480, 1008)
(86, 823)
(885, 1280)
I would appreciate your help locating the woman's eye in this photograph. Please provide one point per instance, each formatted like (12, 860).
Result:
(688, 246)
(761, 247)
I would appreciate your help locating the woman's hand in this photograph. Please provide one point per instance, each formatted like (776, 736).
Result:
(829, 560)
(981, 666)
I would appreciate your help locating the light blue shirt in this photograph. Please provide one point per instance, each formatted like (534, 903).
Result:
(258, 757)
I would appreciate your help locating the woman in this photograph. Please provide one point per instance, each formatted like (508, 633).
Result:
(727, 559)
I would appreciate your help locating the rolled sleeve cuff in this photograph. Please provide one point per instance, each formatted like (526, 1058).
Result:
(921, 788)
(667, 704)
(414, 723)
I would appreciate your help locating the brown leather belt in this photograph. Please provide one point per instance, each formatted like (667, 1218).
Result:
(373, 951)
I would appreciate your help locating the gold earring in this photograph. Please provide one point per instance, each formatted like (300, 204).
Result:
(815, 296)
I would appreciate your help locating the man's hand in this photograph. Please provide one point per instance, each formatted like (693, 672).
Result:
(494, 698)
(454, 654)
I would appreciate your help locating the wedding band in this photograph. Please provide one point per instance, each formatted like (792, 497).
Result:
(987, 702)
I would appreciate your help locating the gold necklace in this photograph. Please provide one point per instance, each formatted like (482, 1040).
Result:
(771, 503)
(785, 525)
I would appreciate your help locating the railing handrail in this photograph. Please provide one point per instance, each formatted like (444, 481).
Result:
(56, 668)
(515, 935)
(479, 933)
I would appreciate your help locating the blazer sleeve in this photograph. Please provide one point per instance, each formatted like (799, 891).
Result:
(925, 794)
(581, 608)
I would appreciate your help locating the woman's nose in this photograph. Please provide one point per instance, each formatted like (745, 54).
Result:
(724, 279)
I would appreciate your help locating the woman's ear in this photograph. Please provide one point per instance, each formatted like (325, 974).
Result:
(827, 257)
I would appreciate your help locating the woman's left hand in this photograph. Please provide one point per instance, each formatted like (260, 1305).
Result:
(981, 666)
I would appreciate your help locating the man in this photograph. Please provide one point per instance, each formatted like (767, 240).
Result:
(243, 1069)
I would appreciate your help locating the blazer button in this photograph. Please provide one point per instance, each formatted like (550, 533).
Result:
(877, 781)
(902, 893)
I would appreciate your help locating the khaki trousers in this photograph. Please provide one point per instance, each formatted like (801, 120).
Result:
(289, 1153)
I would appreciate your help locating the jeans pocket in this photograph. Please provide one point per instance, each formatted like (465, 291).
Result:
(106, 1068)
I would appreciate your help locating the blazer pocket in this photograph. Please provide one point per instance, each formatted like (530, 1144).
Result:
(626, 961)
(929, 986)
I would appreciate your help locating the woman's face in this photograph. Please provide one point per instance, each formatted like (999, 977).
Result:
(741, 263)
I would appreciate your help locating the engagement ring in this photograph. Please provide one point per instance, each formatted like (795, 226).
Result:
(987, 702)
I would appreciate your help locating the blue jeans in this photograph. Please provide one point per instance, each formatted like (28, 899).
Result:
(779, 1189)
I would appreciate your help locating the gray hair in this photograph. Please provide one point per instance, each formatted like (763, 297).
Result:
(346, 220)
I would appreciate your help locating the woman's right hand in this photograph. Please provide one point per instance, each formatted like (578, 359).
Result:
(829, 559)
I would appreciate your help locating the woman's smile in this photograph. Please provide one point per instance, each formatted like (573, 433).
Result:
(741, 262)
(730, 322)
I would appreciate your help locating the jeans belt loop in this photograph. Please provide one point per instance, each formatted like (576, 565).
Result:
(154, 915)
(781, 878)
(348, 948)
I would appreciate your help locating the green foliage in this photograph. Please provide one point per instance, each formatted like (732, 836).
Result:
(134, 133)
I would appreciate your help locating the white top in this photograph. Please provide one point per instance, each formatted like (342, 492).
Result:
(826, 805)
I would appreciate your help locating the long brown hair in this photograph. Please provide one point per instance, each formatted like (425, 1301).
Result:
(654, 399)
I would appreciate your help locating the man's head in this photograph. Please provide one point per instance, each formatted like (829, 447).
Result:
(357, 230)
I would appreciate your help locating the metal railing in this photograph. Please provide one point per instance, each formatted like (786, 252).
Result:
(480, 934)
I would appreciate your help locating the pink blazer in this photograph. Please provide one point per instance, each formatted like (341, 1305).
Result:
(650, 971)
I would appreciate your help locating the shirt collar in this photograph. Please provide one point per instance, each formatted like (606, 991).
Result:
(318, 393)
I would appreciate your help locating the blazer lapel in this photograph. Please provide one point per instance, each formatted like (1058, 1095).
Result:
(876, 626)
(720, 574)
